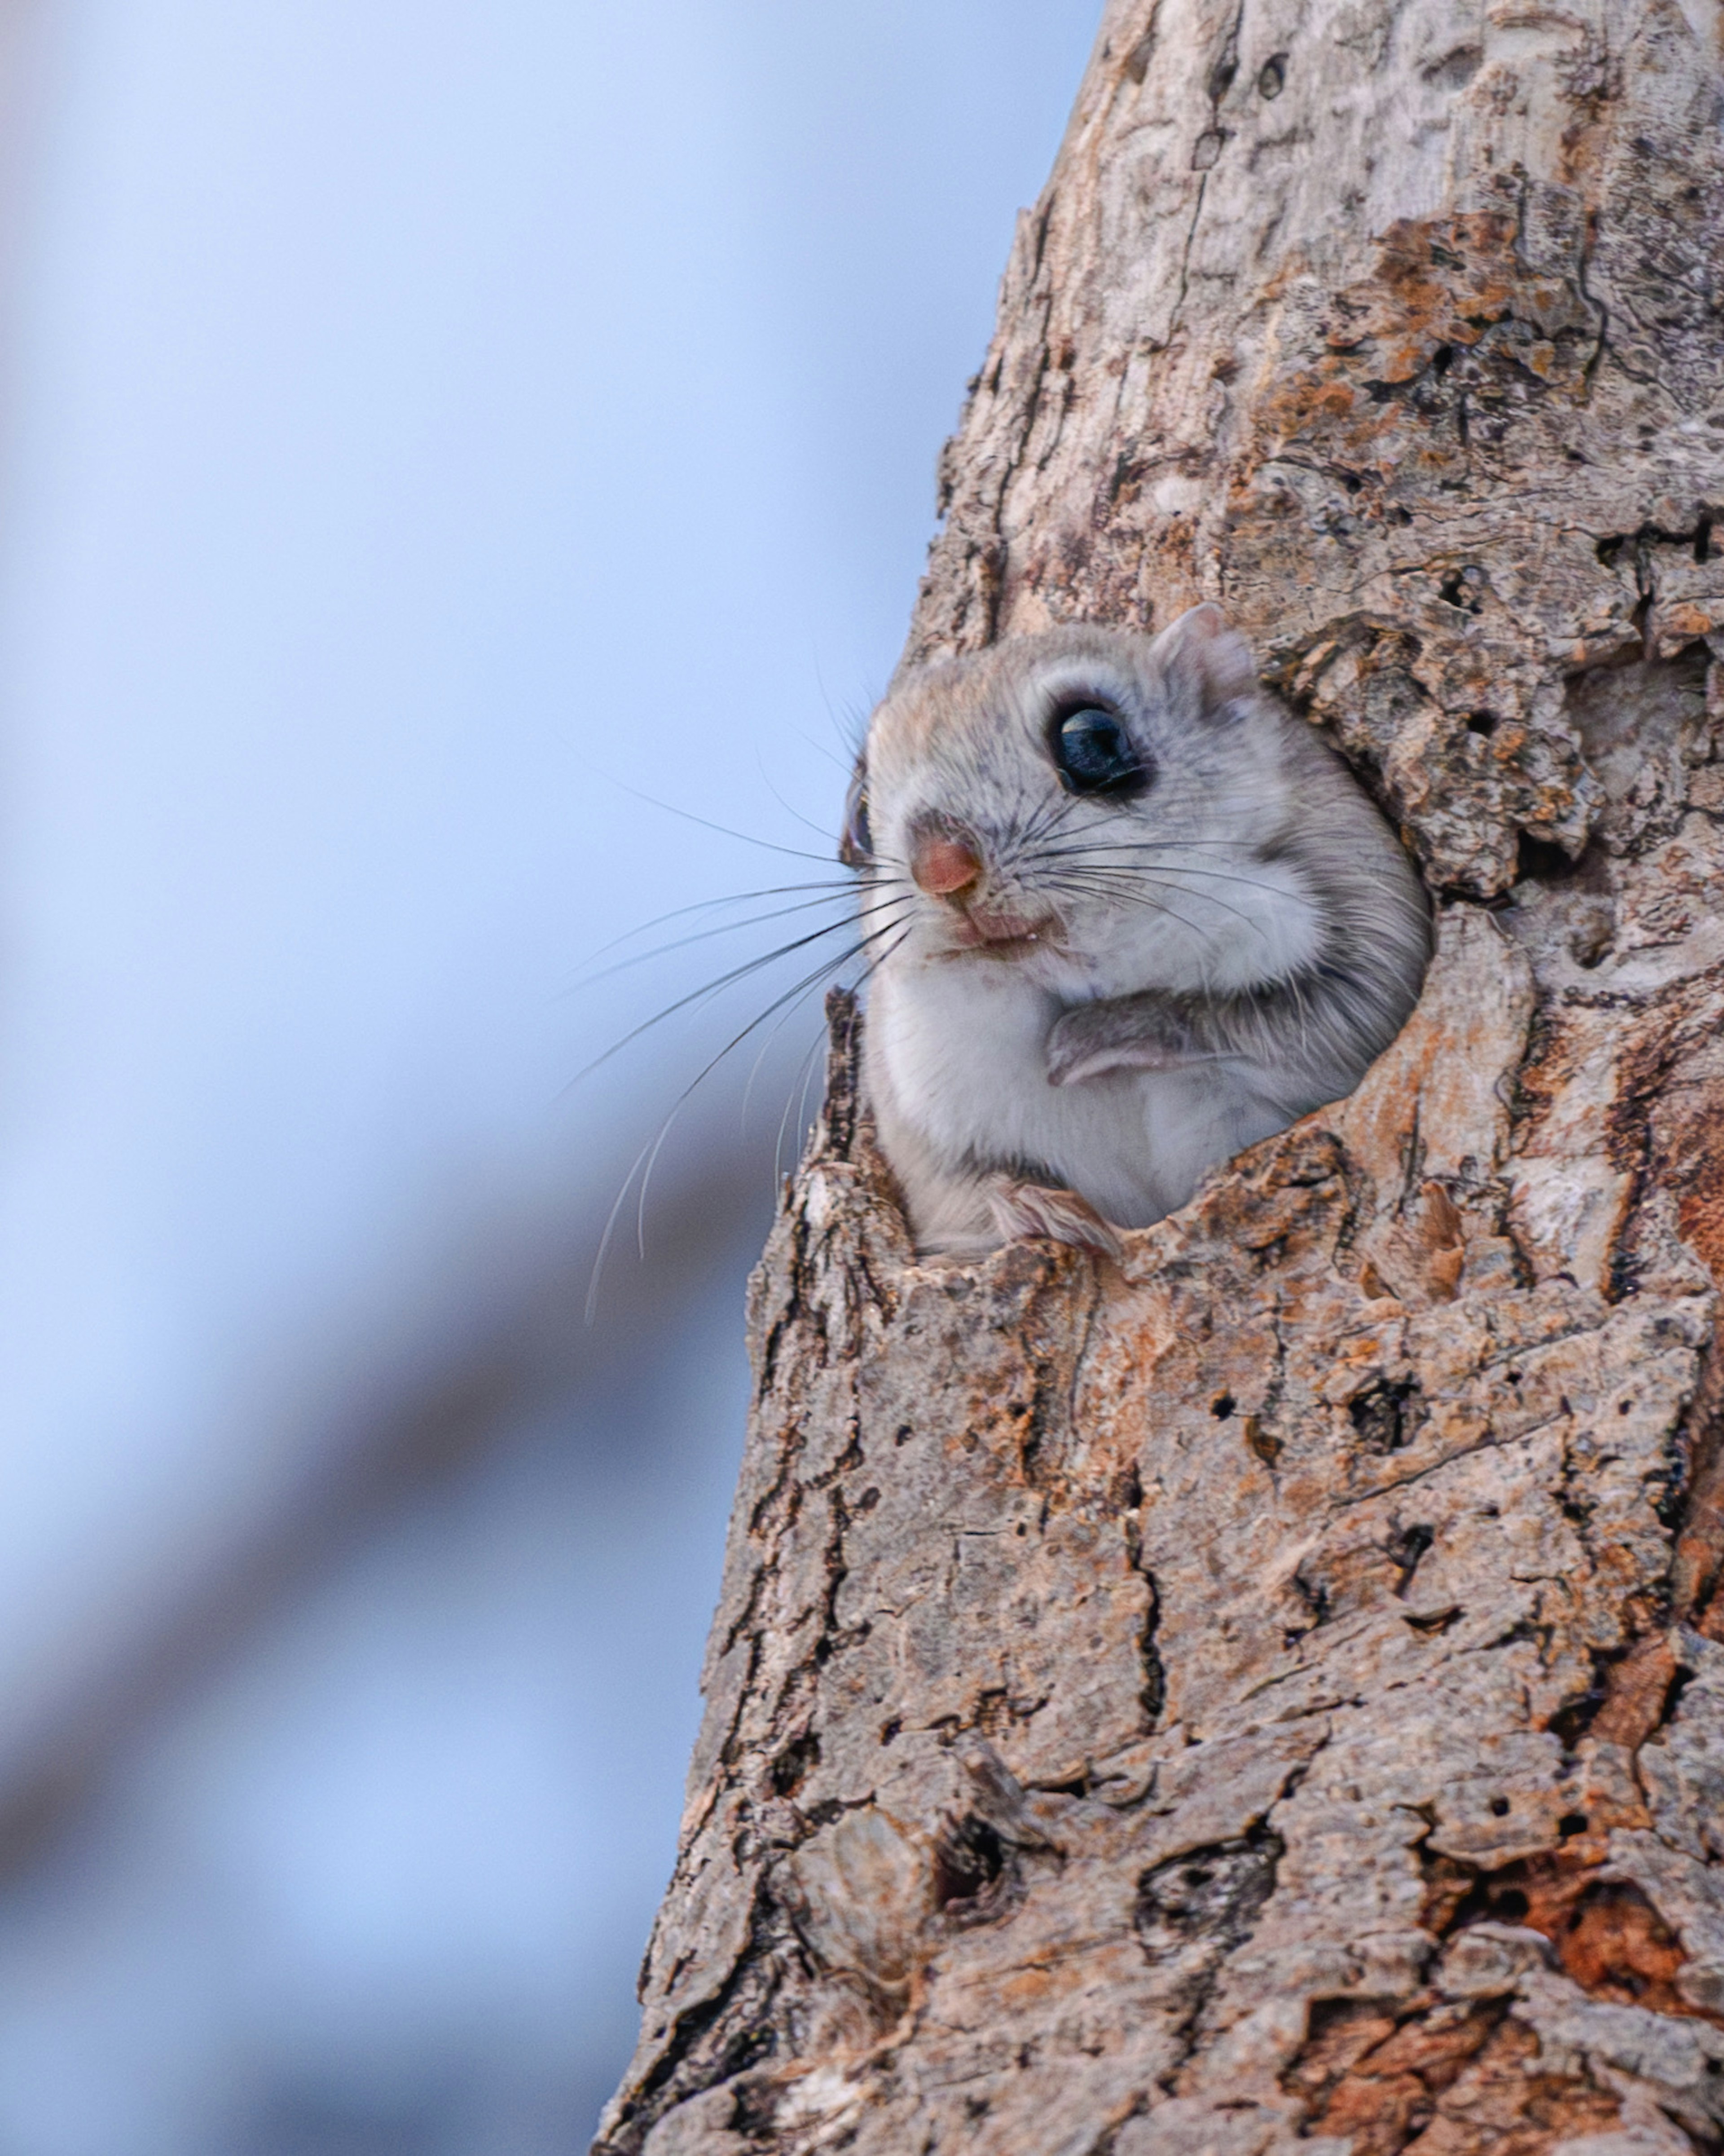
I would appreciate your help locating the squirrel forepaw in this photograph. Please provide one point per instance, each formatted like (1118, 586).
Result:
(1131, 1033)
(1022, 1210)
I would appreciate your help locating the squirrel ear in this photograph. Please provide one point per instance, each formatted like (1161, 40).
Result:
(1203, 649)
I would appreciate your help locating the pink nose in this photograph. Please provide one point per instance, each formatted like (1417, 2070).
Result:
(943, 867)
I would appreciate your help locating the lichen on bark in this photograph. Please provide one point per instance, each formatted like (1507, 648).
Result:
(1268, 1694)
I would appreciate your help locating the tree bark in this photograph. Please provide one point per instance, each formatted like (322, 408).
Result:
(1267, 1695)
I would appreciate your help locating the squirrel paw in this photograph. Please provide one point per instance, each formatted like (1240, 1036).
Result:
(1022, 1210)
(1135, 1032)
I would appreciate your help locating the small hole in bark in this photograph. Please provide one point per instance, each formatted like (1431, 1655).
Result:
(1381, 1417)
(1221, 79)
(1213, 1895)
(1442, 359)
(1314, 1596)
(889, 1730)
(1570, 1723)
(1413, 1545)
(1571, 1824)
(1541, 859)
(1481, 722)
(795, 1764)
(1703, 540)
(1475, 1903)
(1510, 1904)
(1511, 1378)
(1455, 589)
(1272, 76)
(1624, 1406)
(971, 1858)
(1499, 1807)
(904, 1434)
(1352, 481)
(1221, 1409)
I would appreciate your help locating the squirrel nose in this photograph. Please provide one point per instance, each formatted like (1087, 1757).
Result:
(944, 867)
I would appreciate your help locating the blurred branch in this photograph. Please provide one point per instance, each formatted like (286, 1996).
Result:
(425, 1422)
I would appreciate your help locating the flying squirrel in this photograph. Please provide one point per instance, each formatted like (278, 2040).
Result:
(1131, 916)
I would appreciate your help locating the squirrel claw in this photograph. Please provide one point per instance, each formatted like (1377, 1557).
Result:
(1024, 1209)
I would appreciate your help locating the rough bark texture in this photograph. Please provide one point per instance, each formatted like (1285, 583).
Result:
(1267, 1695)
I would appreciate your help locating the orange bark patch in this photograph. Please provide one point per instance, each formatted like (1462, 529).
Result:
(1606, 1934)
(1700, 1206)
(1636, 1692)
(1442, 286)
(1617, 1947)
(1462, 2084)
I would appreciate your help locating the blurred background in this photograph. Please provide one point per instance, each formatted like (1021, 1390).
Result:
(431, 435)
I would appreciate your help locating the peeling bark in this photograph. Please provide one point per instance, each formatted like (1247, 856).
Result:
(1268, 1694)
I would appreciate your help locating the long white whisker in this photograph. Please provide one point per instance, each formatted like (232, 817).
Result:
(644, 1160)
(819, 830)
(1100, 886)
(837, 884)
(724, 830)
(1076, 887)
(1097, 857)
(710, 989)
(839, 897)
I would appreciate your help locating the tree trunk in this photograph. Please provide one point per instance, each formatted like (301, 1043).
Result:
(1267, 1696)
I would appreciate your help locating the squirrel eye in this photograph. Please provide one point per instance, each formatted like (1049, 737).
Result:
(1094, 754)
(855, 848)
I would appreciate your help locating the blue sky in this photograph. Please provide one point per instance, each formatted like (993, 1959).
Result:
(421, 424)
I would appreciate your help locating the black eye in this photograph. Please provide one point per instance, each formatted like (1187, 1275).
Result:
(1093, 752)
